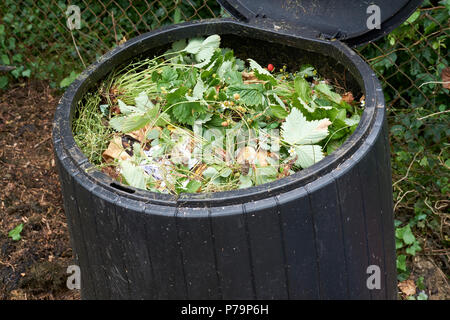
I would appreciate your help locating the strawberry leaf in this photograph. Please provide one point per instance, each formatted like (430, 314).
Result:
(279, 111)
(203, 49)
(133, 175)
(303, 89)
(256, 67)
(325, 90)
(298, 131)
(251, 95)
(307, 155)
(135, 117)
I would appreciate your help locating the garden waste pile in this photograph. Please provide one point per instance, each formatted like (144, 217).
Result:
(199, 119)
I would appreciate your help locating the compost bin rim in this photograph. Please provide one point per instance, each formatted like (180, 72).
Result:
(77, 165)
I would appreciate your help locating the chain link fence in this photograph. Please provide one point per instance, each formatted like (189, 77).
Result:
(409, 61)
(38, 29)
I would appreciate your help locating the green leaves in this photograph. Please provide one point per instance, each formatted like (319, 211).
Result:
(325, 91)
(261, 73)
(129, 123)
(15, 233)
(193, 186)
(265, 174)
(68, 80)
(401, 262)
(303, 89)
(4, 59)
(3, 82)
(245, 182)
(169, 74)
(199, 90)
(183, 110)
(353, 121)
(279, 111)
(302, 135)
(307, 71)
(250, 95)
(136, 117)
(228, 74)
(133, 174)
(200, 86)
(308, 155)
(203, 49)
(210, 173)
(298, 131)
(404, 236)
(257, 68)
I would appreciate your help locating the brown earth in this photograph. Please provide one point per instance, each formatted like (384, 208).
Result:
(34, 267)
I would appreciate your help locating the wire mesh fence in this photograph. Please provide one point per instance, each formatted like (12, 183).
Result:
(409, 61)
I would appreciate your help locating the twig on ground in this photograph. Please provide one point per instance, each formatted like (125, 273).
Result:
(407, 171)
(401, 198)
(43, 141)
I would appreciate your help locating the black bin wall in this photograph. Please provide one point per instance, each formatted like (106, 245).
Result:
(308, 236)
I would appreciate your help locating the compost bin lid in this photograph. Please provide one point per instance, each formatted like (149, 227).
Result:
(344, 20)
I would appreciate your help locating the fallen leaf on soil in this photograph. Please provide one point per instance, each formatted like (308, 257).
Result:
(18, 295)
(407, 287)
(446, 78)
(348, 97)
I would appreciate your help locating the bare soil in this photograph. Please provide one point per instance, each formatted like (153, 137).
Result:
(35, 266)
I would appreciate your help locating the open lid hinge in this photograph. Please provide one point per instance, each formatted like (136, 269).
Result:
(338, 35)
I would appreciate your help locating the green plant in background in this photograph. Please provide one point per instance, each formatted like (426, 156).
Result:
(34, 36)
(9, 44)
(418, 115)
(33, 41)
(68, 80)
(405, 243)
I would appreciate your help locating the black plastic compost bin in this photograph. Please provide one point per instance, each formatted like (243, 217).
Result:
(311, 235)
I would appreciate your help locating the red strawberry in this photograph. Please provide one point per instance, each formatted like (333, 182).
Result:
(270, 67)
